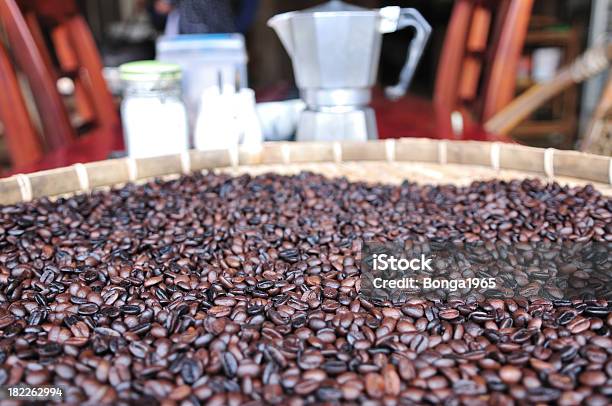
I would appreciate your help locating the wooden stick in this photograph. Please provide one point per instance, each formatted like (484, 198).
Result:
(592, 62)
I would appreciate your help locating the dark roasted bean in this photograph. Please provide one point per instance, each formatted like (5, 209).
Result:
(190, 371)
(130, 309)
(88, 309)
(212, 289)
(230, 365)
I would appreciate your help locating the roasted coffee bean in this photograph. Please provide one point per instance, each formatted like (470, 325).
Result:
(375, 385)
(248, 369)
(110, 312)
(290, 255)
(328, 394)
(190, 371)
(230, 365)
(419, 343)
(592, 378)
(510, 374)
(211, 289)
(392, 380)
(141, 328)
(88, 309)
(50, 350)
(334, 367)
(78, 300)
(138, 349)
(306, 387)
(448, 314)
(36, 317)
(130, 309)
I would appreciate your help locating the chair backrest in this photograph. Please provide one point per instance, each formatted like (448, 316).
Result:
(78, 58)
(53, 115)
(25, 22)
(482, 48)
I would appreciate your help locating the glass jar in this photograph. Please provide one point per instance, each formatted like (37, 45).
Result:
(152, 111)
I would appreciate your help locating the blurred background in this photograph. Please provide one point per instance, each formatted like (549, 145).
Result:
(562, 111)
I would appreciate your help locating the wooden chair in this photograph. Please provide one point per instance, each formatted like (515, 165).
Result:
(483, 44)
(78, 57)
(25, 21)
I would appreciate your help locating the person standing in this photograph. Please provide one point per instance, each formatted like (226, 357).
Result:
(206, 16)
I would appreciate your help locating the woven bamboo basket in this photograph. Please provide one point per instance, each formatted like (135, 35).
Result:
(388, 161)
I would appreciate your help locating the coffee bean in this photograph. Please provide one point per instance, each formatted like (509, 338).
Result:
(310, 360)
(328, 394)
(105, 331)
(407, 369)
(375, 385)
(248, 369)
(306, 387)
(130, 309)
(449, 314)
(578, 325)
(228, 290)
(392, 381)
(289, 255)
(190, 371)
(560, 381)
(540, 394)
(65, 371)
(138, 349)
(592, 378)
(36, 317)
(419, 343)
(415, 311)
(50, 350)
(141, 328)
(88, 309)
(334, 367)
(510, 374)
(80, 329)
(230, 365)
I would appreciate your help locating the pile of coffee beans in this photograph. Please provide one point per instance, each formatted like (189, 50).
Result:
(221, 290)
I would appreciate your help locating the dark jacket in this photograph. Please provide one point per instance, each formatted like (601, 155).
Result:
(205, 16)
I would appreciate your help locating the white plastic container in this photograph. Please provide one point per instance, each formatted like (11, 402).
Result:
(152, 111)
(207, 60)
(546, 61)
(227, 119)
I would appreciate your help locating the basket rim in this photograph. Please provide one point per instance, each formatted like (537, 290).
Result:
(550, 163)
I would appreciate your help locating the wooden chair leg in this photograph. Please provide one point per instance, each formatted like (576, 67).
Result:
(510, 40)
(23, 143)
(69, 65)
(91, 73)
(447, 78)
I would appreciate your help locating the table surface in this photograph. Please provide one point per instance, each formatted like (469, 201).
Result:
(418, 117)
(409, 116)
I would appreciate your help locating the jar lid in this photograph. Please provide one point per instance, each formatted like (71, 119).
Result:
(149, 71)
